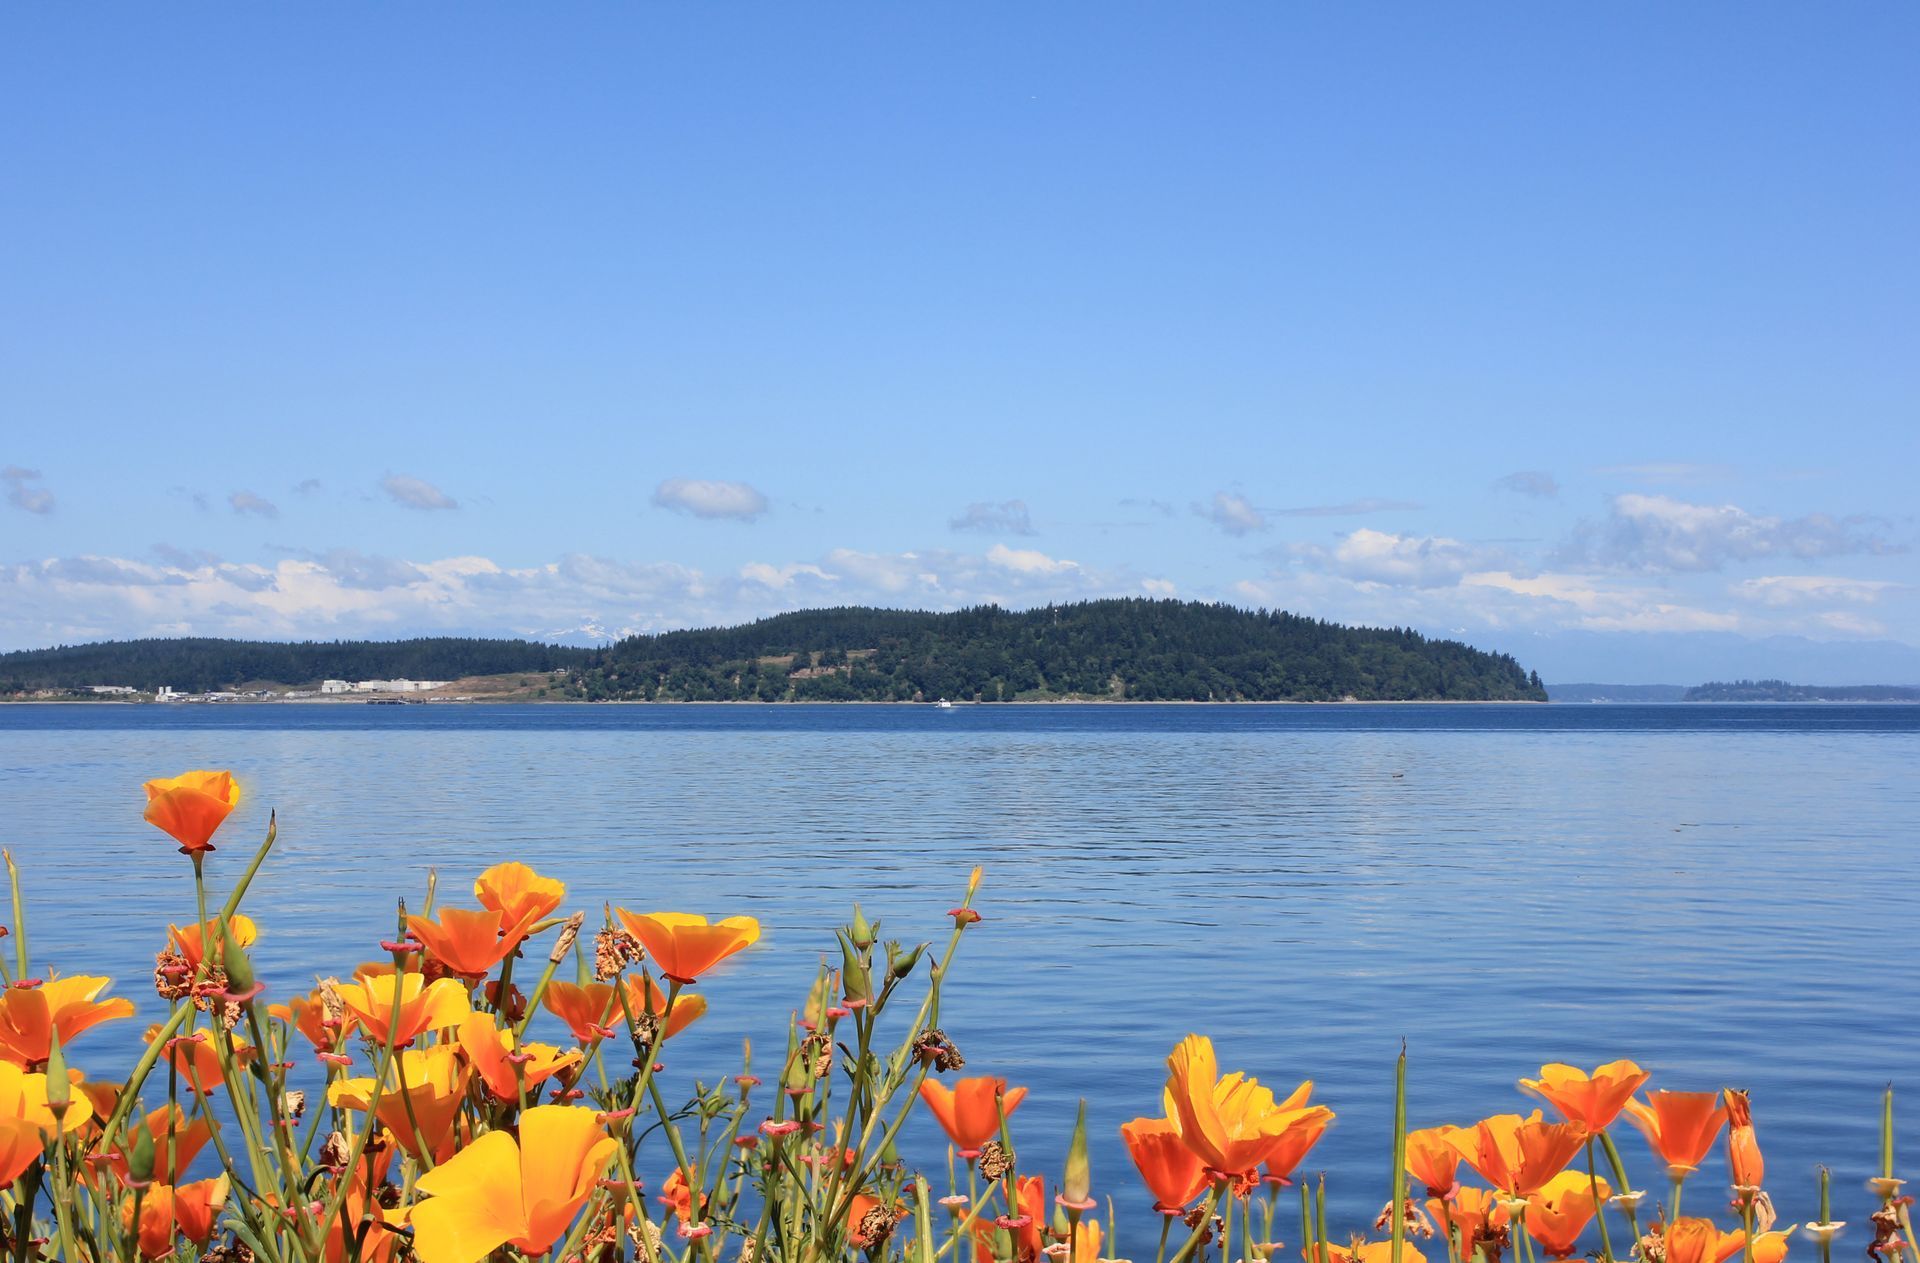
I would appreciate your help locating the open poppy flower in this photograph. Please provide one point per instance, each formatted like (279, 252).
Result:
(685, 946)
(1030, 1205)
(1701, 1241)
(518, 893)
(1519, 1155)
(1433, 1160)
(1231, 1123)
(1294, 1144)
(187, 1141)
(26, 1122)
(487, 1048)
(648, 1003)
(31, 1016)
(863, 1205)
(1560, 1210)
(308, 1015)
(195, 1059)
(1172, 1172)
(1681, 1126)
(502, 1191)
(191, 806)
(1373, 1252)
(424, 1086)
(191, 941)
(399, 1008)
(468, 942)
(1471, 1216)
(188, 1211)
(1594, 1099)
(969, 1111)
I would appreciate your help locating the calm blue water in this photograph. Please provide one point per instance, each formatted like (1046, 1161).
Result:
(1727, 894)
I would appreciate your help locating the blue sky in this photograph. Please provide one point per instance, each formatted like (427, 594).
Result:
(1587, 333)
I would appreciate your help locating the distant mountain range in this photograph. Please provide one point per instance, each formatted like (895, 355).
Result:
(1121, 650)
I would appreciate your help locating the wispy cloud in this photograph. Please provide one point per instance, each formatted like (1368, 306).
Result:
(705, 498)
(1529, 482)
(1659, 533)
(1008, 517)
(416, 493)
(1351, 508)
(1811, 589)
(246, 503)
(25, 490)
(1232, 513)
(306, 486)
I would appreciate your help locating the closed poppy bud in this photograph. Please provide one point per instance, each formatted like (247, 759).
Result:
(239, 968)
(1076, 1183)
(855, 985)
(862, 932)
(59, 1089)
(903, 964)
(140, 1155)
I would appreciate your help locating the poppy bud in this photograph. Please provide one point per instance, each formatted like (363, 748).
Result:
(855, 985)
(862, 932)
(140, 1154)
(233, 959)
(902, 965)
(59, 1090)
(1076, 1184)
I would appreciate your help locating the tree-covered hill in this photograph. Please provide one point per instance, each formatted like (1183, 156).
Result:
(1134, 650)
(1137, 650)
(196, 664)
(1781, 691)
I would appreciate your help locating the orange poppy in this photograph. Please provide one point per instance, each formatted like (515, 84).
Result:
(1560, 1210)
(645, 999)
(1743, 1147)
(1171, 1171)
(26, 1121)
(502, 1191)
(676, 1194)
(187, 1211)
(582, 1006)
(517, 893)
(685, 946)
(192, 806)
(1031, 1203)
(1771, 1247)
(31, 1016)
(1432, 1160)
(1294, 1145)
(1594, 1099)
(1373, 1252)
(469, 943)
(1701, 1241)
(1518, 1155)
(487, 1048)
(1231, 1123)
(308, 1015)
(188, 1139)
(196, 1060)
(399, 1008)
(190, 941)
(383, 1226)
(1681, 1126)
(436, 1086)
(1474, 1214)
(969, 1112)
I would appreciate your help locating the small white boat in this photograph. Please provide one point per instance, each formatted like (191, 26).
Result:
(943, 704)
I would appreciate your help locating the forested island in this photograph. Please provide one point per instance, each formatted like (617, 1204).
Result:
(1120, 650)
(1781, 691)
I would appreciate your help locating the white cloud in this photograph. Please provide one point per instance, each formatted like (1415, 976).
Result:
(1028, 561)
(1809, 589)
(1159, 587)
(1529, 482)
(1232, 513)
(1421, 561)
(1008, 517)
(415, 493)
(707, 499)
(245, 503)
(24, 491)
(346, 593)
(1659, 533)
(1669, 471)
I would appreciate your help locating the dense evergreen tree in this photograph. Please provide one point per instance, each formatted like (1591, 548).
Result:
(198, 665)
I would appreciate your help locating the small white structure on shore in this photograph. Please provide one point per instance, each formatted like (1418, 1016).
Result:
(165, 693)
(112, 690)
(333, 686)
(391, 686)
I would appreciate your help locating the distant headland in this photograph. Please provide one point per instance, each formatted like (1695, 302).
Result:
(1108, 650)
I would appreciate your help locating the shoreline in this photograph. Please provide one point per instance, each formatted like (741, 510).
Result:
(1061, 701)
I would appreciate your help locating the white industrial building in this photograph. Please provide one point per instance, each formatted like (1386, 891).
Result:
(381, 686)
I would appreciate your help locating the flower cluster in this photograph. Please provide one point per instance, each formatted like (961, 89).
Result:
(489, 1084)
